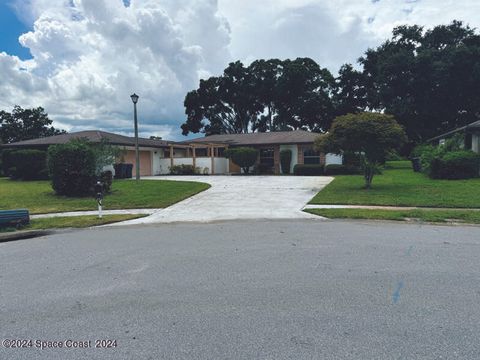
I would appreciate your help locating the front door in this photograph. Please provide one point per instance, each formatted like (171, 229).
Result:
(267, 162)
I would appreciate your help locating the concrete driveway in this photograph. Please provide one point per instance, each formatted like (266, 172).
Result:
(241, 197)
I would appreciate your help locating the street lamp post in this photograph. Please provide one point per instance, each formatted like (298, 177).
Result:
(137, 156)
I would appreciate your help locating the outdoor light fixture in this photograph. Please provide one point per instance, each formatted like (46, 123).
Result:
(134, 98)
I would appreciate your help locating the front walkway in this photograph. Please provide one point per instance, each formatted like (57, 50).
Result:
(381, 207)
(240, 197)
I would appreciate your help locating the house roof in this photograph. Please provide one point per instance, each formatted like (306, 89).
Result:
(259, 138)
(475, 126)
(94, 136)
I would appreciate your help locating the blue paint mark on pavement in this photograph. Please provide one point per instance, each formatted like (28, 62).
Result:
(409, 251)
(396, 294)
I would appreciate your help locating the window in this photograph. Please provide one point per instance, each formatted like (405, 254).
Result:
(202, 152)
(310, 156)
(266, 157)
(166, 153)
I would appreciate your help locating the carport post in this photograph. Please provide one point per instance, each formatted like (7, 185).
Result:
(213, 159)
(194, 157)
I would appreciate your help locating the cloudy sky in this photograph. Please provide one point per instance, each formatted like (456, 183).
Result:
(81, 59)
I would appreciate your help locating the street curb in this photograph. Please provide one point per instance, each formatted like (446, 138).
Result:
(20, 235)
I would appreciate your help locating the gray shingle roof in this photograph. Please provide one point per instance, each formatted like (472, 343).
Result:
(474, 125)
(94, 136)
(266, 138)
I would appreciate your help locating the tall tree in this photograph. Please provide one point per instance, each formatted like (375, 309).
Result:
(267, 73)
(225, 104)
(429, 80)
(25, 124)
(304, 96)
(266, 96)
(350, 92)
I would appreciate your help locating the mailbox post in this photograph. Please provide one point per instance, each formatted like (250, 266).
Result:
(99, 197)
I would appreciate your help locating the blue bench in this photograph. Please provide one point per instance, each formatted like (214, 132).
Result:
(17, 218)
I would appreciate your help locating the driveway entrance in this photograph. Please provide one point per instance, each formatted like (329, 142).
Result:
(241, 197)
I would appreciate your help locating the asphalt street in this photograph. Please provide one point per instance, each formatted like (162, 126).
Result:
(298, 289)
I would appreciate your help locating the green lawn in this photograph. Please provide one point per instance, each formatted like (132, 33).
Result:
(78, 221)
(441, 216)
(73, 222)
(400, 186)
(38, 196)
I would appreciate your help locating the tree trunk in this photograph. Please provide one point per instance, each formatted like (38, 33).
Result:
(369, 172)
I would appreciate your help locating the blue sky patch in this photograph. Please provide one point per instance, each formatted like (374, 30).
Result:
(10, 29)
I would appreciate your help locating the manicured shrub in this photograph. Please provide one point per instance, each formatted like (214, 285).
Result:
(371, 134)
(285, 160)
(455, 165)
(6, 161)
(427, 153)
(337, 169)
(28, 165)
(244, 157)
(183, 170)
(72, 168)
(308, 169)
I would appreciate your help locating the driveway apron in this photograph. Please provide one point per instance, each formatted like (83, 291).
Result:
(240, 197)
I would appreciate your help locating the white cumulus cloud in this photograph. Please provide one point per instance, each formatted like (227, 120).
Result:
(88, 56)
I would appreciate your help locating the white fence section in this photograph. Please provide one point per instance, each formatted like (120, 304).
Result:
(183, 161)
(164, 167)
(205, 164)
(161, 166)
(333, 159)
(221, 165)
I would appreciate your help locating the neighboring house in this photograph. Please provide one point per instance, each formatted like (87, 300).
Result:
(205, 153)
(147, 147)
(471, 134)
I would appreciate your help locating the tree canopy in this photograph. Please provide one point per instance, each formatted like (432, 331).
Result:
(267, 95)
(25, 124)
(371, 135)
(428, 79)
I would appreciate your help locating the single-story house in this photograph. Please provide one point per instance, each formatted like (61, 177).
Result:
(471, 134)
(205, 153)
(269, 145)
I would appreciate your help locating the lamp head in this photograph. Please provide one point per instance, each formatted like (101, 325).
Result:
(134, 98)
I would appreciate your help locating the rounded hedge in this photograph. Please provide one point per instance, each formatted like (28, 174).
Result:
(455, 165)
(27, 164)
(245, 157)
(72, 168)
